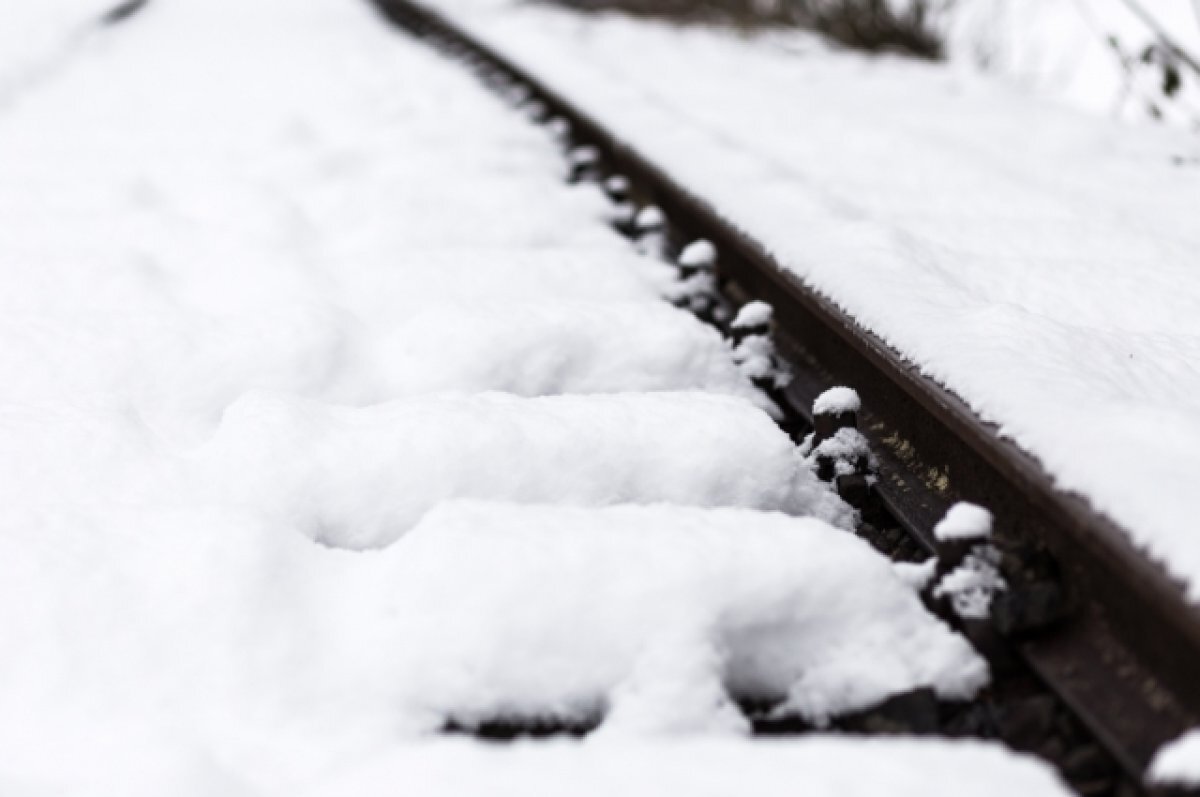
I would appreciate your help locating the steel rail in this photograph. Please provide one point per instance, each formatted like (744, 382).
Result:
(1127, 659)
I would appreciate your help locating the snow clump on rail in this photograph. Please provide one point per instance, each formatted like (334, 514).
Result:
(837, 400)
(964, 521)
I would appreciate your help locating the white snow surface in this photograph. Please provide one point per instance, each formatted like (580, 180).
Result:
(753, 314)
(361, 477)
(1178, 763)
(815, 767)
(846, 447)
(1039, 262)
(280, 290)
(40, 41)
(698, 254)
(837, 400)
(656, 616)
(964, 521)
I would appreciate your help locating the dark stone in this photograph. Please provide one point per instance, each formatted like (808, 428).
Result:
(854, 489)
(1028, 608)
(512, 728)
(914, 712)
(1088, 763)
(825, 426)
(951, 553)
(1025, 724)
(1174, 791)
(1051, 750)
(984, 637)
(826, 468)
(969, 720)
(739, 334)
(1101, 787)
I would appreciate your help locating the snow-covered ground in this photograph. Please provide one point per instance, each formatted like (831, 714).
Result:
(1038, 261)
(825, 767)
(38, 45)
(329, 415)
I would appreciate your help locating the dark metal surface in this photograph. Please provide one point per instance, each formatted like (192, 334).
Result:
(1128, 659)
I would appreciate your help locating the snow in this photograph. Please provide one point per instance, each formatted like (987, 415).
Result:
(1050, 283)
(756, 357)
(329, 414)
(649, 218)
(361, 477)
(655, 617)
(1178, 762)
(847, 448)
(753, 315)
(698, 254)
(820, 767)
(964, 521)
(617, 185)
(837, 400)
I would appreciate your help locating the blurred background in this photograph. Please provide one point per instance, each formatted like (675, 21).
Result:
(1134, 58)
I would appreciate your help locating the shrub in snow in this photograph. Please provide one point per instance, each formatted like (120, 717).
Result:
(845, 453)
(814, 766)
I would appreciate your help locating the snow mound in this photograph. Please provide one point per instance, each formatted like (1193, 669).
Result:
(656, 617)
(815, 766)
(753, 314)
(698, 254)
(546, 349)
(964, 521)
(837, 400)
(360, 478)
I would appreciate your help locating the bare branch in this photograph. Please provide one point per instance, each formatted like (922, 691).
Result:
(1164, 38)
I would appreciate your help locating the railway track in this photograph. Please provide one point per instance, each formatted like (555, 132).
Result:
(1094, 646)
